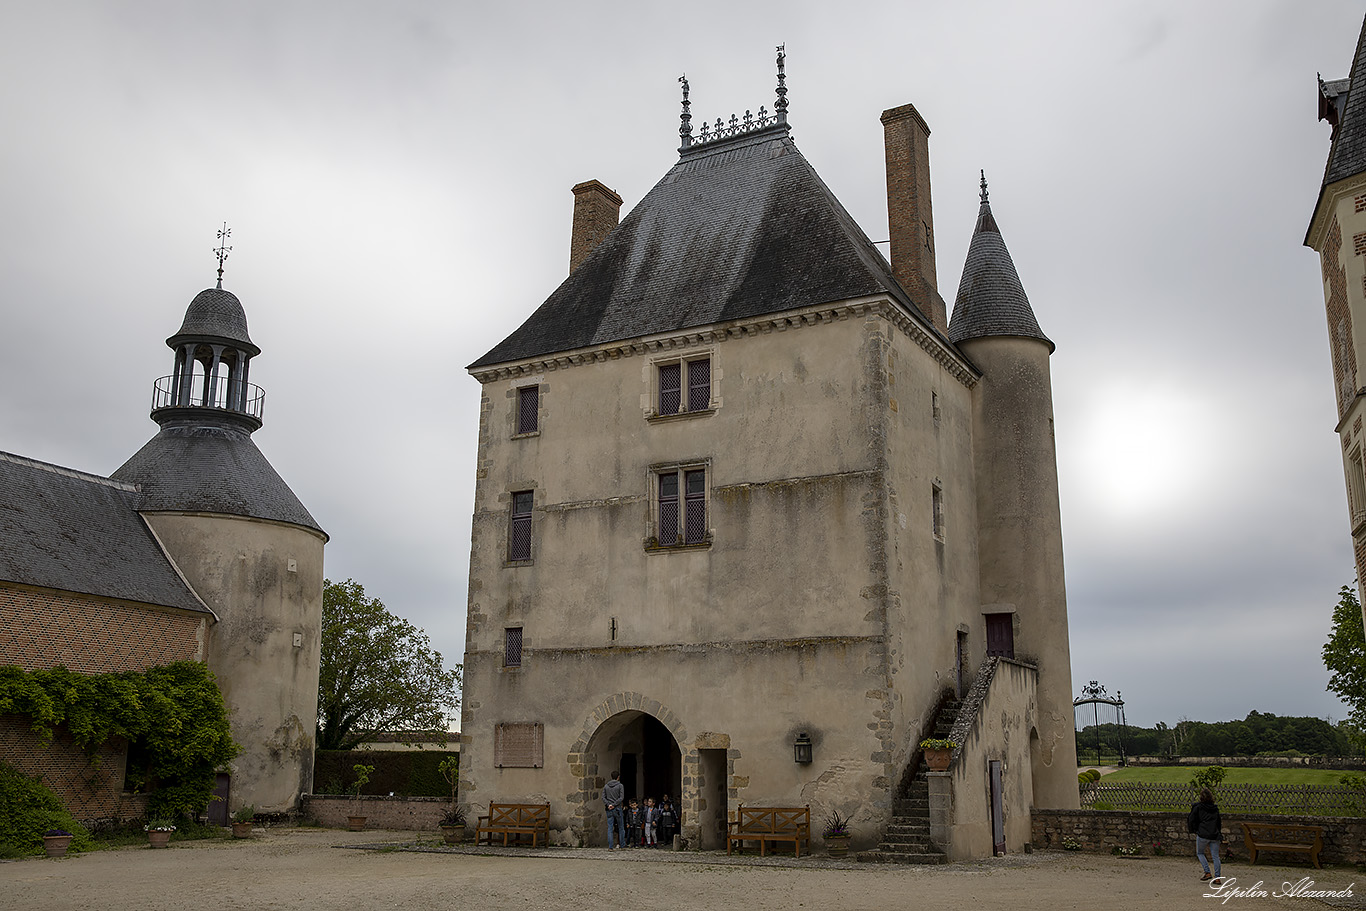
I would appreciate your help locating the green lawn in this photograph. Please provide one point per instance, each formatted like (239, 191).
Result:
(1182, 775)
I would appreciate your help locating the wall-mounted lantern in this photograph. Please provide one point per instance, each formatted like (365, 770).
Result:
(801, 748)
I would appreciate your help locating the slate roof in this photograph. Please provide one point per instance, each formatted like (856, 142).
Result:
(215, 313)
(202, 466)
(991, 300)
(78, 532)
(736, 229)
(1348, 155)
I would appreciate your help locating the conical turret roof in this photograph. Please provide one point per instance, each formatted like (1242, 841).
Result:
(991, 300)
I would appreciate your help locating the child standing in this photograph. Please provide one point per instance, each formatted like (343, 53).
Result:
(668, 821)
(651, 823)
(635, 821)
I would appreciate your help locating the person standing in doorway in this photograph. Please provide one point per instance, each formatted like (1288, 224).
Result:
(613, 794)
(668, 821)
(1207, 825)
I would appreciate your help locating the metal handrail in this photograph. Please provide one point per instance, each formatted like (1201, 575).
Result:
(250, 398)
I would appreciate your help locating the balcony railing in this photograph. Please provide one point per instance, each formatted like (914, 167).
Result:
(209, 392)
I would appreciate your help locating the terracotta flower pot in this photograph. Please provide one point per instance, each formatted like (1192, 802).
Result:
(452, 835)
(938, 760)
(158, 839)
(355, 823)
(56, 845)
(241, 830)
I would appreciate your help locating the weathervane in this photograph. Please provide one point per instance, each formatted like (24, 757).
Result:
(780, 107)
(222, 251)
(685, 127)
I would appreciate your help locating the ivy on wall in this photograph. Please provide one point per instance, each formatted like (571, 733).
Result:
(172, 717)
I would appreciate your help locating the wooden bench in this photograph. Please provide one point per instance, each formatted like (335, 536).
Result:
(516, 819)
(1274, 836)
(765, 824)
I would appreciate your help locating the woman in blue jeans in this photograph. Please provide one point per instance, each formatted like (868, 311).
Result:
(1208, 826)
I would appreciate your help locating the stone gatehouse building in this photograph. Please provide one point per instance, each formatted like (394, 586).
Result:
(742, 487)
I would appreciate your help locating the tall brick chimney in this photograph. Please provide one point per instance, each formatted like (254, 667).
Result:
(596, 212)
(910, 217)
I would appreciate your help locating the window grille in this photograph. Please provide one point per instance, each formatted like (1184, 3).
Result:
(695, 502)
(519, 538)
(668, 509)
(519, 745)
(699, 385)
(512, 646)
(670, 392)
(528, 404)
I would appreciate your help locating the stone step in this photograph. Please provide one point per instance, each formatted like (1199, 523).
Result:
(906, 843)
(908, 828)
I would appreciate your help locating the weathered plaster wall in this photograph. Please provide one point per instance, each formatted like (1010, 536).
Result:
(961, 797)
(1020, 537)
(264, 581)
(932, 578)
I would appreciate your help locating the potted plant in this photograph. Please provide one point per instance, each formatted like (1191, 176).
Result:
(938, 752)
(453, 823)
(159, 832)
(453, 826)
(836, 834)
(241, 821)
(356, 822)
(56, 841)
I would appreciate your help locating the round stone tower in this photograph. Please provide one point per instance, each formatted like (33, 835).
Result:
(244, 542)
(1018, 516)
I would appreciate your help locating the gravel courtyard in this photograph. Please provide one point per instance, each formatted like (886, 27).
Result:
(306, 869)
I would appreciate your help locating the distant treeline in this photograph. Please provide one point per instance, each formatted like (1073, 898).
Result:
(1259, 734)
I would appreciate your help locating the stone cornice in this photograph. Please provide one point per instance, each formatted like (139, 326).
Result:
(1327, 204)
(953, 362)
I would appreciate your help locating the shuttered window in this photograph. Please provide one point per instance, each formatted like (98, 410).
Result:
(512, 646)
(528, 406)
(519, 745)
(519, 535)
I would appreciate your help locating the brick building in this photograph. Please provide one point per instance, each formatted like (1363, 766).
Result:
(753, 516)
(193, 550)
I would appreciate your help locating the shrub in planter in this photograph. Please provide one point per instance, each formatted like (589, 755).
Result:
(28, 811)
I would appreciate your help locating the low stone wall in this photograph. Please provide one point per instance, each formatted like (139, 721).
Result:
(379, 812)
(1099, 831)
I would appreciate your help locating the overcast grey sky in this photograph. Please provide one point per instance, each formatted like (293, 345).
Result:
(397, 180)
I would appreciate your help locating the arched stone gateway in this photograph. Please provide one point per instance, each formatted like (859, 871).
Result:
(649, 745)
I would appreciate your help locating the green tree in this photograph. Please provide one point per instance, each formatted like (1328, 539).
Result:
(379, 672)
(1344, 654)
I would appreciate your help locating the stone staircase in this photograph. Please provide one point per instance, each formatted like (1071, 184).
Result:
(907, 839)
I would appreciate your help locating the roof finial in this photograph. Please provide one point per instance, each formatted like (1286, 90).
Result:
(685, 127)
(222, 251)
(780, 106)
(984, 187)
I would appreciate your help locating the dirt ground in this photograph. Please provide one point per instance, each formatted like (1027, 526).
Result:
(307, 869)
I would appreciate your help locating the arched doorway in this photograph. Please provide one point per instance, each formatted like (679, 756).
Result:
(646, 753)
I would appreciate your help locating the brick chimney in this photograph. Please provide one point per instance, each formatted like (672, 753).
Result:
(909, 215)
(596, 212)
